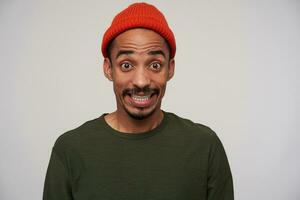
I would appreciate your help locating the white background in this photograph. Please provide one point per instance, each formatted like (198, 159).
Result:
(237, 71)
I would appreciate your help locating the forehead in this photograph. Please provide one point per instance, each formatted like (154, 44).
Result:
(140, 40)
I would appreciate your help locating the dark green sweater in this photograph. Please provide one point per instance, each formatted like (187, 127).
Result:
(178, 159)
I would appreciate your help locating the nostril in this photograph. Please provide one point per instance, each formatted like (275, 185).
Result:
(141, 80)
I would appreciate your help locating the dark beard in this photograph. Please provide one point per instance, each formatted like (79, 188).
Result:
(136, 90)
(139, 116)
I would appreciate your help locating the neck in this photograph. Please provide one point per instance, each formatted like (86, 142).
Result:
(127, 124)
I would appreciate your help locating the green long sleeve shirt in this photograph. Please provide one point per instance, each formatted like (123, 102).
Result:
(177, 160)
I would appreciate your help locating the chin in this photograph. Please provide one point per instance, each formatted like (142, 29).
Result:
(140, 115)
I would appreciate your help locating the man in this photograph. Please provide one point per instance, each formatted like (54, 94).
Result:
(139, 152)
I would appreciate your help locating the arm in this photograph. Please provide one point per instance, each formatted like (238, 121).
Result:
(220, 185)
(57, 184)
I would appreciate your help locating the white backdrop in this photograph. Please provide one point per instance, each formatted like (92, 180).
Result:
(237, 71)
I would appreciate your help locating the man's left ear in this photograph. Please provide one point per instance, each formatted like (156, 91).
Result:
(171, 68)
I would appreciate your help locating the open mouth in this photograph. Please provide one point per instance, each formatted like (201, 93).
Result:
(142, 99)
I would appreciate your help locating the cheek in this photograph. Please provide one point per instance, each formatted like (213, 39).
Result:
(160, 81)
(118, 88)
(120, 84)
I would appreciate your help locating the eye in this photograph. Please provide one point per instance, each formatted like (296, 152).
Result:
(126, 66)
(155, 66)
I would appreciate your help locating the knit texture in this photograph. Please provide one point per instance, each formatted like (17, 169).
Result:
(177, 160)
(139, 15)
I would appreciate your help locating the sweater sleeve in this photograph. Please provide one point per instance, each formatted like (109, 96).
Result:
(220, 184)
(57, 184)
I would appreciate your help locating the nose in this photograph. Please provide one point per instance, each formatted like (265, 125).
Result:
(141, 78)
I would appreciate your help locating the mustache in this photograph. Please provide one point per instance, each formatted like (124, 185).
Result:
(136, 90)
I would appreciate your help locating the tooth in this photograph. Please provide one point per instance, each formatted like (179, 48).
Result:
(141, 98)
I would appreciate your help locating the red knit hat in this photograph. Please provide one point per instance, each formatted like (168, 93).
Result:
(139, 15)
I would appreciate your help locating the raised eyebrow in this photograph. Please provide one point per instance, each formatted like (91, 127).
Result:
(157, 52)
(124, 52)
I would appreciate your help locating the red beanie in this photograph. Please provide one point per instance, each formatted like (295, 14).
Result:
(139, 15)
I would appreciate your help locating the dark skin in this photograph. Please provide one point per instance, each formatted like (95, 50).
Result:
(139, 67)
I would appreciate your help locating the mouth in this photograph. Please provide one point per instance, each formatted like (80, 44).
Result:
(142, 99)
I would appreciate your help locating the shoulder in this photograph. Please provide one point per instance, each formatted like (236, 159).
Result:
(70, 139)
(191, 129)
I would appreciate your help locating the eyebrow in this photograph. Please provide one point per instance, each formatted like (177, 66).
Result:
(124, 52)
(152, 53)
(157, 52)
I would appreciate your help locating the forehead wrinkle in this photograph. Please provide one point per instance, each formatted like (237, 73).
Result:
(141, 49)
(140, 41)
(137, 46)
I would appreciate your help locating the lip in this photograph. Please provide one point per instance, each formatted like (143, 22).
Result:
(142, 103)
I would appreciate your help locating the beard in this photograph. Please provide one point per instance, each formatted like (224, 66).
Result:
(140, 115)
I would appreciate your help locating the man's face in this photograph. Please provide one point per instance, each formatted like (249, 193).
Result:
(139, 67)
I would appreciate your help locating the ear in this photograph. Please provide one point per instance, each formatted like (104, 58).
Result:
(107, 69)
(171, 69)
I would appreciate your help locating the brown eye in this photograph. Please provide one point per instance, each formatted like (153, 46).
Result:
(155, 66)
(126, 66)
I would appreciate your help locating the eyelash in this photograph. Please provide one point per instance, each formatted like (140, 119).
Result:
(157, 63)
(150, 66)
(126, 63)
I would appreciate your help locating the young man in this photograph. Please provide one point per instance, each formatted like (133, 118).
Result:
(139, 152)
